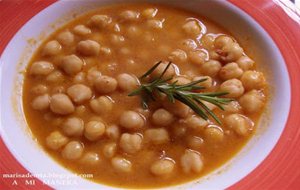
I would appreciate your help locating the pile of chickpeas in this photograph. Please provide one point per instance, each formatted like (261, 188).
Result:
(87, 91)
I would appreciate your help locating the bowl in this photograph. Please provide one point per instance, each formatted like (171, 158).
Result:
(16, 135)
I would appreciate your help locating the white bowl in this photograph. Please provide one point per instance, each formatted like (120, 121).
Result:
(22, 145)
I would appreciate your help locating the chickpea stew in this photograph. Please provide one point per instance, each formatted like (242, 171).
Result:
(77, 106)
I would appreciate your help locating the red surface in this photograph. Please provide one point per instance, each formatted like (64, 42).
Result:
(280, 170)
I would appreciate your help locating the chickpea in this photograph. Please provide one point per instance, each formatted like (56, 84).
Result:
(207, 83)
(90, 158)
(133, 31)
(253, 80)
(41, 68)
(39, 89)
(71, 64)
(168, 74)
(66, 38)
(113, 132)
(61, 104)
(94, 130)
(188, 44)
(192, 28)
(109, 150)
(100, 21)
(178, 108)
(196, 123)
(127, 82)
(181, 80)
(129, 15)
(149, 13)
(162, 117)
(79, 77)
(131, 143)
(41, 102)
(214, 55)
(178, 56)
(195, 142)
(58, 90)
(233, 107)
(131, 120)
(245, 63)
(82, 30)
(214, 134)
(73, 150)
(55, 77)
(154, 23)
(191, 161)
(79, 93)
(88, 47)
(102, 105)
(105, 84)
(230, 71)
(211, 68)
(198, 56)
(178, 131)
(92, 75)
(234, 87)
(51, 48)
(73, 126)
(162, 167)
(239, 123)
(222, 41)
(105, 51)
(80, 110)
(252, 101)
(121, 164)
(208, 41)
(56, 140)
(117, 39)
(157, 136)
(230, 52)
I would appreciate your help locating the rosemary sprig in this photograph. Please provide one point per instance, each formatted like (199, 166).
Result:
(183, 93)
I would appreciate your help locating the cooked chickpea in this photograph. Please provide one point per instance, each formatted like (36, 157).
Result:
(207, 83)
(154, 23)
(222, 41)
(109, 150)
(233, 107)
(181, 80)
(162, 167)
(245, 63)
(230, 71)
(100, 21)
(239, 123)
(61, 104)
(191, 161)
(178, 131)
(214, 134)
(178, 108)
(168, 74)
(81, 30)
(58, 90)
(208, 41)
(71, 64)
(162, 117)
(56, 140)
(129, 15)
(41, 102)
(105, 84)
(51, 48)
(133, 31)
(234, 87)
(127, 82)
(39, 89)
(195, 142)
(252, 101)
(121, 164)
(117, 39)
(178, 56)
(196, 123)
(94, 130)
(79, 77)
(41, 68)
(149, 13)
(131, 120)
(102, 105)
(188, 44)
(230, 52)
(90, 158)
(131, 143)
(73, 150)
(92, 75)
(211, 68)
(73, 126)
(192, 28)
(88, 47)
(55, 77)
(253, 80)
(113, 132)
(105, 51)
(198, 56)
(157, 136)
(80, 110)
(66, 38)
(79, 93)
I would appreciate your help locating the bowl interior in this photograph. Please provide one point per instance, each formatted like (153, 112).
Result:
(18, 52)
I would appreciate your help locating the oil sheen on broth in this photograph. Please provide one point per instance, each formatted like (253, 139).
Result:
(76, 104)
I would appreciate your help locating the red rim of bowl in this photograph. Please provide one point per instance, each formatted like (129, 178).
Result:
(281, 167)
